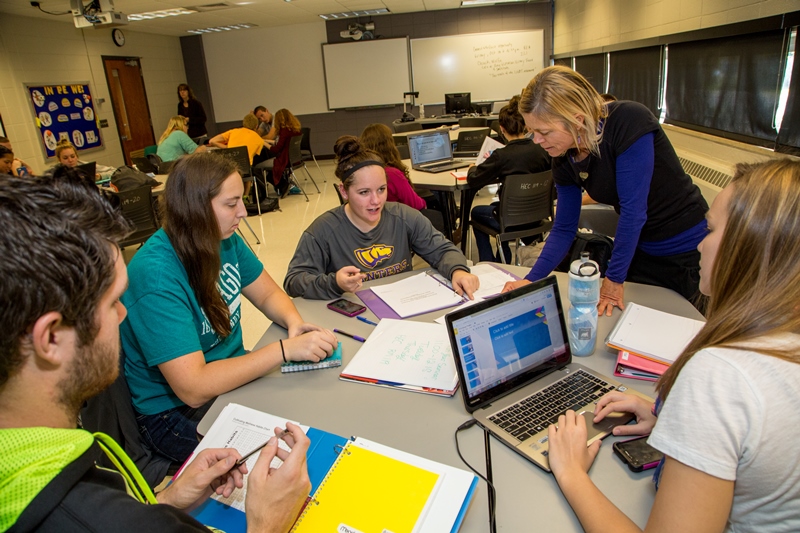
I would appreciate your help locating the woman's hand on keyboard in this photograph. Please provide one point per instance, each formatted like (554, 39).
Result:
(569, 456)
(619, 402)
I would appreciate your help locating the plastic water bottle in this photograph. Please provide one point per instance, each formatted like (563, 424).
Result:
(584, 294)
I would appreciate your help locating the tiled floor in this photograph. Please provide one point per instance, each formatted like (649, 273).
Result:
(279, 232)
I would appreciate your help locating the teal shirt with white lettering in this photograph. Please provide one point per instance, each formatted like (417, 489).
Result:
(165, 320)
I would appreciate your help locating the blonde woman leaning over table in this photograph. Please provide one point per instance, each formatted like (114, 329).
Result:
(368, 237)
(175, 142)
(618, 152)
(182, 338)
(726, 418)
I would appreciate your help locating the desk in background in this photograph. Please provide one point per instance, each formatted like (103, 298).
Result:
(445, 185)
(424, 425)
(453, 134)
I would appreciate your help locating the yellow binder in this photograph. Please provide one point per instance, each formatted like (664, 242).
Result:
(366, 492)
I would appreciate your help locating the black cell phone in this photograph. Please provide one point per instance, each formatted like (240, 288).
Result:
(637, 454)
(346, 307)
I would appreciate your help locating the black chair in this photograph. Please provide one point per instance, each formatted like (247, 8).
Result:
(296, 161)
(143, 164)
(472, 122)
(240, 156)
(137, 208)
(404, 152)
(308, 155)
(494, 125)
(155, 160)
(525, 210)
(471, 141)
(402, 127)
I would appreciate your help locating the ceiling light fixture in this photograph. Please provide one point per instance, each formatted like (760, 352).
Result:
(220, 29)
(164, 13)
(352, 14)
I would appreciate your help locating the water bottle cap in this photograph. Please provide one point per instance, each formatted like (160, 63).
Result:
(585, 267)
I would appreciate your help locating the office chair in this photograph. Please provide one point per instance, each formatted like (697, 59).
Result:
(471, 141)
(150, 149)
(472, 122)
(155, 160)
(402, 127)
(136, 153)
(240, 156)
(525, 210)
(143, 164)
(404, 152)
(137, 208)
(305, 151)
(296, 161)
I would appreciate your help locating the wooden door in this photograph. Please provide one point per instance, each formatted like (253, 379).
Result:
(128, 96)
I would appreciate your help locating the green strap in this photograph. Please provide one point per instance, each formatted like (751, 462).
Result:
(136, 482)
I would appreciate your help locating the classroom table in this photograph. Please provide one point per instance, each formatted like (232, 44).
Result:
(453, 133)
(445, 185)
(527, 497)
(158, 190)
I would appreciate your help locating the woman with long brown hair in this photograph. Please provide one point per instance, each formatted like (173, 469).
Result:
(191, 108)
(287, 126)
(378, 138)
(183, 337)
(726, 418)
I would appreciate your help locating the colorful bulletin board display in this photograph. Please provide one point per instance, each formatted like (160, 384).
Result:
(65, 112)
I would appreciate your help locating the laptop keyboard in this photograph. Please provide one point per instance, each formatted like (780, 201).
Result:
(534, 413)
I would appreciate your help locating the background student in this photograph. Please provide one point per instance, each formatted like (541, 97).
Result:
(367, 238)
(191, 108)
(245, 136)
(378, 138)
(618, 152)
(5, 142)
(519, 156)
(287, 126)
(183, 335)
(60, 347)
(726, 418)
(175, 142)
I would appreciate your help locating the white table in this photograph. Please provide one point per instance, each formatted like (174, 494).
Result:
(527, 497)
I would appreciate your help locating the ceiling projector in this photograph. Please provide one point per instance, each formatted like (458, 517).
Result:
(358, 32)
(96, 13)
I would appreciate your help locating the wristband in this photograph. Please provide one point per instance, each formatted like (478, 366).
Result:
(283, 353)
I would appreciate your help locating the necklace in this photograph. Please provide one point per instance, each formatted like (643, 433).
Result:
(582, 166)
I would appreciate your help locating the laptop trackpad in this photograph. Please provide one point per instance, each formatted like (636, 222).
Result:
(605, 426)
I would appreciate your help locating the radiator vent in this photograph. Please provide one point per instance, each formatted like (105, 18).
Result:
(707, 174)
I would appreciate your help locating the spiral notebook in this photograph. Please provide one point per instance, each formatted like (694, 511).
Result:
(332, 361)
(353, 498)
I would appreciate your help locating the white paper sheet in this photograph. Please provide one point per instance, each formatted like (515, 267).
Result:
(245, 429)
(489, 145)
(416, 295)
(406, 352)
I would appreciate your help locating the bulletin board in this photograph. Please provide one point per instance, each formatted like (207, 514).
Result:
(64, 112)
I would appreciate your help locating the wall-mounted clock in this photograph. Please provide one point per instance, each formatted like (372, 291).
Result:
(118, 37)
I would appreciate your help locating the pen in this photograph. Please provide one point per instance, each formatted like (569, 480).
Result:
(356, 337)
(366, 321)
(244, 459)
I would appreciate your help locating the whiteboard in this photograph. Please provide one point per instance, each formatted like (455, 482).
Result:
(491, 66)
(244, 73)
(366, 73)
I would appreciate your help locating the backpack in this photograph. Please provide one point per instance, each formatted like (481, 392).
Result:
(128, 178)
(271, 203)
(598, 246)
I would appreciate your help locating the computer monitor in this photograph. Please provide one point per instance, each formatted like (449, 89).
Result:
(457, 103)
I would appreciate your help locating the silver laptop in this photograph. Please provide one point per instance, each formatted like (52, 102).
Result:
(515, 366)
(432, 151)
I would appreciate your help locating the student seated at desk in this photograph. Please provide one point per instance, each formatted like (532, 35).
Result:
(245, 136)
(287, 126)
(68, 157)
(175, 142)
(727, 417)
(60, 347)
(7, 162)
(183, 335)
(368, 238)
(519, 156)
(17, 163)
(378, 138)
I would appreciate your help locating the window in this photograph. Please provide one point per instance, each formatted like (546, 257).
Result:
(593, 68)
(636, 75)
(727, 86)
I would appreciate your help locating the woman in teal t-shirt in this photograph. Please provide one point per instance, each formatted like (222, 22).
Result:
(175, 142)
(182, 338)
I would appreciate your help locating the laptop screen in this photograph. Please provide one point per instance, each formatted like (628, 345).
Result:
(430, 147)
(508, 341)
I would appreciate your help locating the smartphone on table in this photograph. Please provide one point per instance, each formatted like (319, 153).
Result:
(637, 454)
(346, 307)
